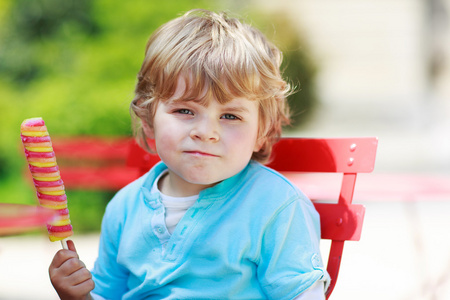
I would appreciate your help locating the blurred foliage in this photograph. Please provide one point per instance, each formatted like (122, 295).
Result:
(31, 25)
(74, 63)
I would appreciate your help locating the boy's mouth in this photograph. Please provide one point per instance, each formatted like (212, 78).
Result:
(200, 153)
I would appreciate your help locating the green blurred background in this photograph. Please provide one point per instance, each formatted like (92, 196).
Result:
(74, 63)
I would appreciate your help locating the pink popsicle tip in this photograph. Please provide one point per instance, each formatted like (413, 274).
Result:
(34, 122)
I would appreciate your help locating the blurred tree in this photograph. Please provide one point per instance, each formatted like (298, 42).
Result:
(299, 68)
(30, 24)
(40, 19)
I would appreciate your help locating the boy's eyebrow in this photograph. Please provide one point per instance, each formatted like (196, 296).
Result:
(231, 108)
(236, 108)
(181, 100)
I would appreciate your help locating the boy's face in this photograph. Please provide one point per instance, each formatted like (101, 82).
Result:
(203, 145)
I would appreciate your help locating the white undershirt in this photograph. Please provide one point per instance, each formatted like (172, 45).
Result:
(175, 207)
(314, 292)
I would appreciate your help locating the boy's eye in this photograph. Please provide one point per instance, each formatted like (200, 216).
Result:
(229, 117)
(184, 111)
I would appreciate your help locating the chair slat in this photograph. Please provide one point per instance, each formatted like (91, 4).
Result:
(344, 155)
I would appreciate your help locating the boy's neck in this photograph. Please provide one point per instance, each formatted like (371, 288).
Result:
(172, 185)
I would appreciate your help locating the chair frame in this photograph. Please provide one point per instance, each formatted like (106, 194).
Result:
(340, 220)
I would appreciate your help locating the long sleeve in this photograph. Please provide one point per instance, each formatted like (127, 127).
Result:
(109, 276)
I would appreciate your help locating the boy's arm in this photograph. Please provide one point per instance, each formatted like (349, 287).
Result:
(290, 260)
(69, 275)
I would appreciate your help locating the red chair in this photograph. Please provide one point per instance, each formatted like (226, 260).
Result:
(341, 220)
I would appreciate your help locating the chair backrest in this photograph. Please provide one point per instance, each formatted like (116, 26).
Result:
(341, 220)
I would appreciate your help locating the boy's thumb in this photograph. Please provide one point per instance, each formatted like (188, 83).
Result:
(71, 245)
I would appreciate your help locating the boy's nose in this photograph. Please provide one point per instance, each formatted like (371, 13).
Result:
(205, 130)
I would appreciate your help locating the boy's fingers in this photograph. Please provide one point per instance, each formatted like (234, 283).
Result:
(62, 256)
(86, 286)
(72, 271)
(71, 266)
(79, 276)
(83, 288)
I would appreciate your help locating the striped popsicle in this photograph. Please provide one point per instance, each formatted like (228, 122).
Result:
(46, 177)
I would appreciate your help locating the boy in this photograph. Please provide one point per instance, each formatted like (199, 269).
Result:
(209, 221)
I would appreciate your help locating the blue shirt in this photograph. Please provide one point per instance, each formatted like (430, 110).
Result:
(251, 236)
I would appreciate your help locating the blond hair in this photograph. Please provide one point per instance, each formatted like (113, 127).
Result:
(222, 56)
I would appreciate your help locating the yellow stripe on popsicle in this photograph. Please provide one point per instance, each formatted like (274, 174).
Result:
(53, 193)
(39, 149)
(34, 133)
(60, 222)
(47, 178)
(57, 236)
(42, 164)
(54, 206)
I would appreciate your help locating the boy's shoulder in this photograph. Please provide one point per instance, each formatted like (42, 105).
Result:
(266, 176)
(268, 192)
(264, 180)
(132, 192)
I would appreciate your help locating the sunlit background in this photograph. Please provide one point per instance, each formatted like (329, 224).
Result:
(362, 68)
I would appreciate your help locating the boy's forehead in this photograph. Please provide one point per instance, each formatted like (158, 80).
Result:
(181, 92)
(180, 88)
(186, 90)
(204, 92)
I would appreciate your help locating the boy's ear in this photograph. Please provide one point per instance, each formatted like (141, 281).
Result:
(148, 130)
(259, 143)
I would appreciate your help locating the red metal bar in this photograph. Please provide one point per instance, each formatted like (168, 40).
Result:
(334, 263)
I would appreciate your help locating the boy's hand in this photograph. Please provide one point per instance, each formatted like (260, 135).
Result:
(69, 275)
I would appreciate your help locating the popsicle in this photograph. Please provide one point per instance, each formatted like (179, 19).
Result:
(46, 177)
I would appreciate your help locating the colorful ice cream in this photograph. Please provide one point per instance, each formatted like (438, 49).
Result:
(46, 177)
